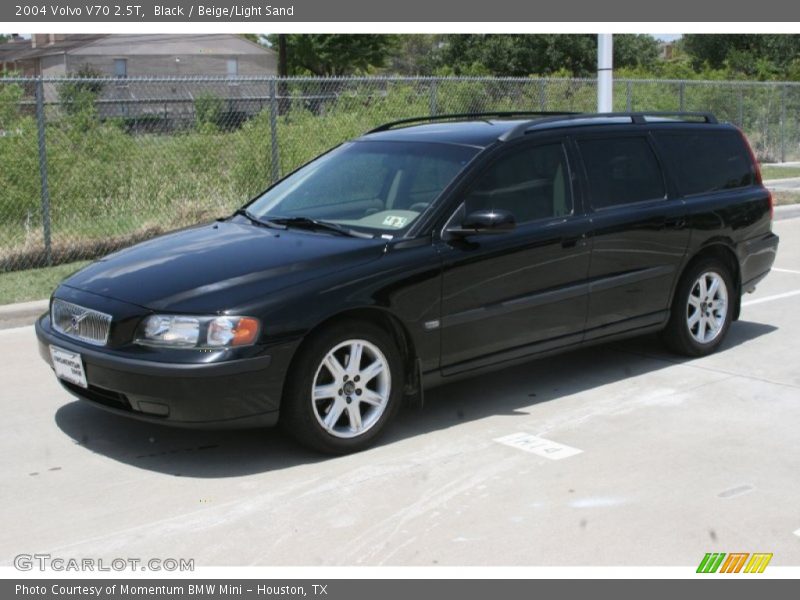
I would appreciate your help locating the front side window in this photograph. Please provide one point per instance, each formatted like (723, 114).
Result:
(531, 183)
(621, 171)
(378, 187)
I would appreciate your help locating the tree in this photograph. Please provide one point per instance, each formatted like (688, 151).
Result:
(417, 55)
(335, 55)
(763, 56)
(635, 50)
(542, 54)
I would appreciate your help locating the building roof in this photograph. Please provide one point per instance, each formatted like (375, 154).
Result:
(23, 50)
(170, 45)
(132, 45)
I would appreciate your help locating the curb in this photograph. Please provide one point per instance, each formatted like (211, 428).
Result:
(22, 313)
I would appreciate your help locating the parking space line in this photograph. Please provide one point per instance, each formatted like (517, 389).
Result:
(786, 270)
(771, 298)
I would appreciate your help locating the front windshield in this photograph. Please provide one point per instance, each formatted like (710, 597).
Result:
(371, 186)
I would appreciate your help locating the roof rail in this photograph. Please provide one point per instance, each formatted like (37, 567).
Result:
(635, 117)
(468, 116)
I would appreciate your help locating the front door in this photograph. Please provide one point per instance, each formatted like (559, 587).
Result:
(503, 293)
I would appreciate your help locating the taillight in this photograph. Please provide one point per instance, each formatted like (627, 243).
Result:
(753, 161)
(757, 172)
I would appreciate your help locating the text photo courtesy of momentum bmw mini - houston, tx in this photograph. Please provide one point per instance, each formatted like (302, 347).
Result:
(363, 300)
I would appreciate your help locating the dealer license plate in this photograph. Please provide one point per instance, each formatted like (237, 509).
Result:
(68, 366)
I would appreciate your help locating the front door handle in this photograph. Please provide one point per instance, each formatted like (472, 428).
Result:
(575, 241)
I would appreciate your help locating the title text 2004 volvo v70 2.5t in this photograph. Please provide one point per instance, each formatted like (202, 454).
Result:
(422, 251)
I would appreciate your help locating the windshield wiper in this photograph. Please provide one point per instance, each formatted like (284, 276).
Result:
(309, 223)
(256, 221)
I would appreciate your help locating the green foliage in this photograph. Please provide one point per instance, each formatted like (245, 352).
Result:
(10, 96)
(336, 54)
(77, 98)
(543, 54)
(416, 55)
(762, 56)
(208, 111)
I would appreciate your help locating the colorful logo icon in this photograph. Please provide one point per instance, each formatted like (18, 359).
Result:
(719, 562)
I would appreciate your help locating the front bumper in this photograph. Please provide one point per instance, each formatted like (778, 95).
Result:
(235, 393)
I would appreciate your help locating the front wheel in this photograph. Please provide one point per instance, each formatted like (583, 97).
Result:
(344, 388)
(701, 310)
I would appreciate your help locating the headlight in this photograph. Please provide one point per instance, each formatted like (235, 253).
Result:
(180, 331)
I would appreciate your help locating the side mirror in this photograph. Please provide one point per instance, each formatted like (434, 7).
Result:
(485, 221)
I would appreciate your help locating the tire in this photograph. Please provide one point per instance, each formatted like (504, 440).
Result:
(701, 316)
(354, 403)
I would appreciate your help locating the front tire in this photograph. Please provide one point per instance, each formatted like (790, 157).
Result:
(344, 388)
(702, 309)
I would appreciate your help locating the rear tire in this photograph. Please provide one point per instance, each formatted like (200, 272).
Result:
(344, 387)
(701, 309)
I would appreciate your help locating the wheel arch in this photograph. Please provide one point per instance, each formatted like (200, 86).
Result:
(390, 323)
(723, 251)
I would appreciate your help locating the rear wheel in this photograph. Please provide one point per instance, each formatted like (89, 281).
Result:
(344, 388)
(702, 309)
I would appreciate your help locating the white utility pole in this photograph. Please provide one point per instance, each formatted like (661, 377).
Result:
(605, 72)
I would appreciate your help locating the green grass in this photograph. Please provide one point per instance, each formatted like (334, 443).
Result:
(34, 284)
(773, 172)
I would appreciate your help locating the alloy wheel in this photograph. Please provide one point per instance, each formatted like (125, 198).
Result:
(351, 388)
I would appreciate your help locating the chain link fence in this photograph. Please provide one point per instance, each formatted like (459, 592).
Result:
(88, 166)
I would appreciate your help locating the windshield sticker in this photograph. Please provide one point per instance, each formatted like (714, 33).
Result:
(395, 221)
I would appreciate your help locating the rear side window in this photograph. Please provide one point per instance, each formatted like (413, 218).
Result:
(621, 171)
(707, 162)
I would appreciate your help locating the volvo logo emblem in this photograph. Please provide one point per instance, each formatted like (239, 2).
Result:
(74, 322)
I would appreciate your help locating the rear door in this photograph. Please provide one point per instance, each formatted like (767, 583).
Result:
(638, 231)
(503, 293)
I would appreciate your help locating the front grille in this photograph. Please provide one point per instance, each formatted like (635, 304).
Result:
(85, 324)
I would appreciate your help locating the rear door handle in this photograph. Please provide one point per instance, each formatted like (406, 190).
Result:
(677, 223)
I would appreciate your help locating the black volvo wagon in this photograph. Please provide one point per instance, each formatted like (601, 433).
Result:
(425, 250)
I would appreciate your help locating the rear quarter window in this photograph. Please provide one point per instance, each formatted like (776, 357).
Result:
(706, 162)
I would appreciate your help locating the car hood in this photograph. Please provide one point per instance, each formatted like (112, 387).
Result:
(216, 267)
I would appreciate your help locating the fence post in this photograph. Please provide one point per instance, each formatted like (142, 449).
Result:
(273, 130)
(45, 190)
(682, 96)
(434, 100)
(783, 123)
(629, 97)
(741, 108)
(542, 94)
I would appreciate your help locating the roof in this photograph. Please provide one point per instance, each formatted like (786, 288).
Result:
(482, 131)
(171, 45)
(24, 50)
(478, 133)
(133, 45)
